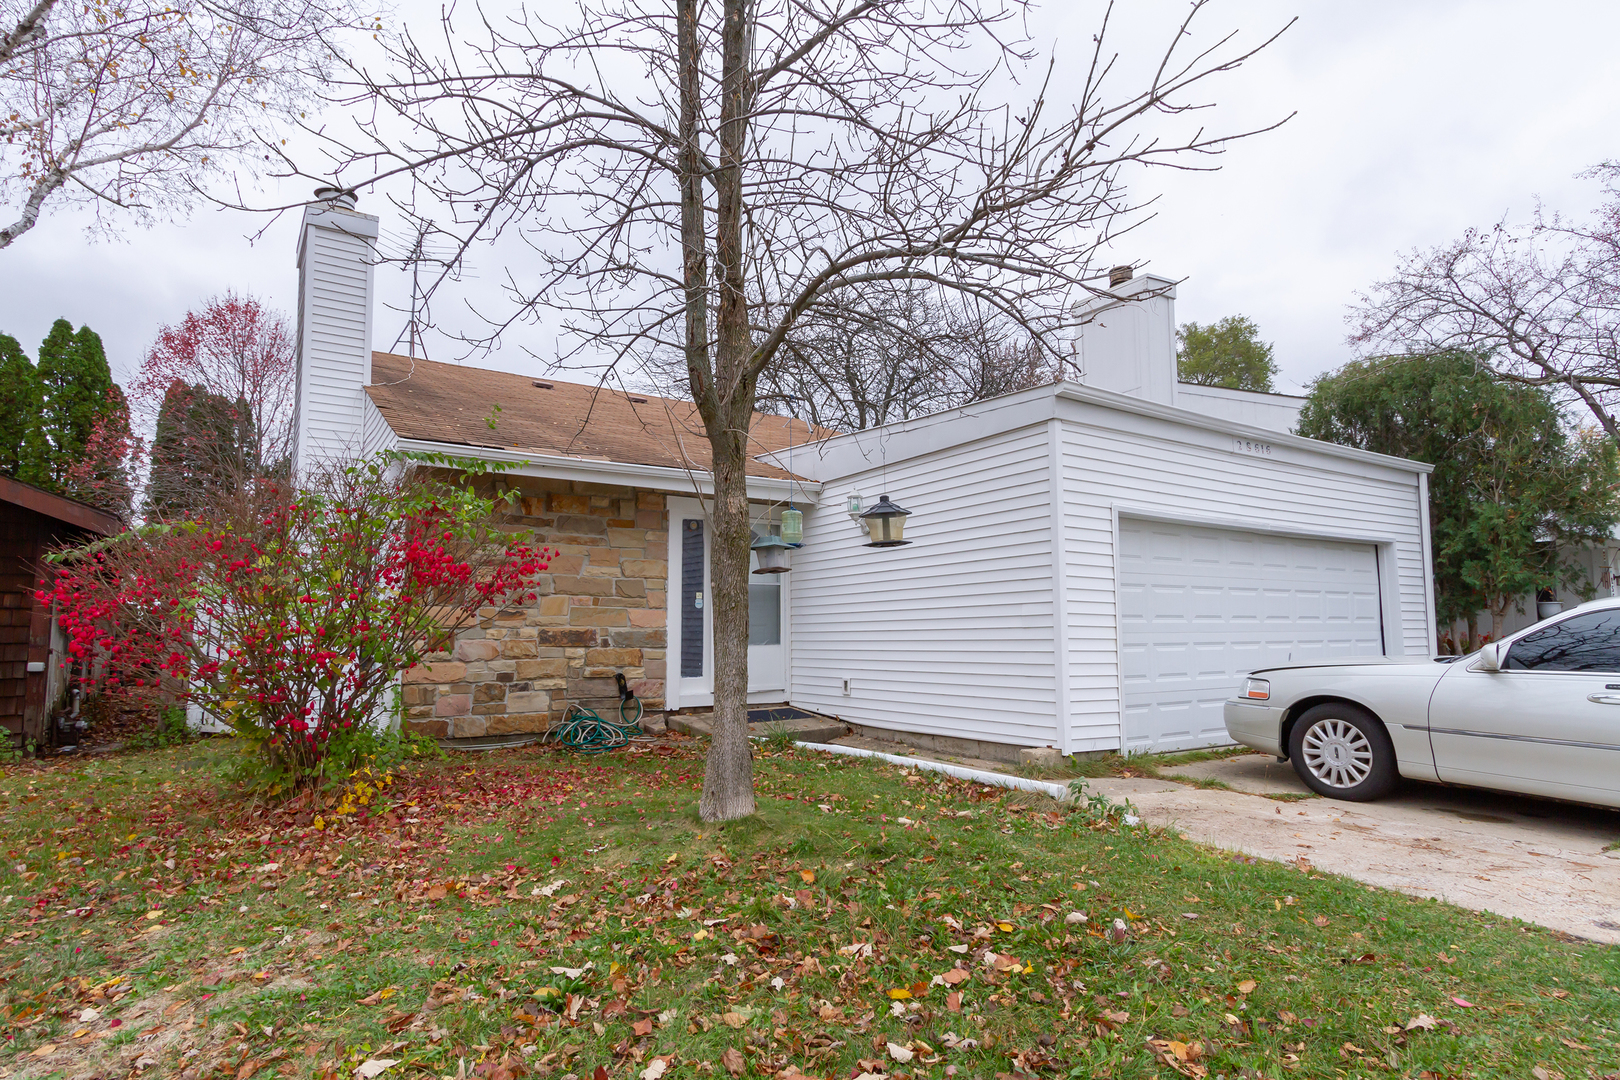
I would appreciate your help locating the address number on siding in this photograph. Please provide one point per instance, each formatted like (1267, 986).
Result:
(1245, 446)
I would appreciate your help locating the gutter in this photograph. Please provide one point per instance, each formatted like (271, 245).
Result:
(618, 473)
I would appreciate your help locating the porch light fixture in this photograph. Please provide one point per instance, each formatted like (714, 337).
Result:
(772, 553)
(792, 527)
(886, 523)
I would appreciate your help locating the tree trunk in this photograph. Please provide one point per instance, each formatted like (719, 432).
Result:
(1498, 613)
(728, 781)
(1473, 633)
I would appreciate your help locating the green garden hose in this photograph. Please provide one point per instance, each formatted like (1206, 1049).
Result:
(584, 731)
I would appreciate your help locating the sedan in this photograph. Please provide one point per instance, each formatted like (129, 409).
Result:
(1537, 712)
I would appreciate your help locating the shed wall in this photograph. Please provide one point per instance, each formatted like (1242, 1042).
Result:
(953, 635)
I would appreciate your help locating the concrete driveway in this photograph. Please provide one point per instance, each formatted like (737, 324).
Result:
(1532, 859)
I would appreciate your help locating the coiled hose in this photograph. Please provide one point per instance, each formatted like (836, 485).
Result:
(584, 731)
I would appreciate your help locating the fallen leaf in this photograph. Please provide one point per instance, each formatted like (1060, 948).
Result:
(956, 976)
(1320, 920)
(641, 1027)
(1460, 1001)
(655, 1068)
(1247, 986)
(733, 1019)
(732, 1059)
(374, 1067)
(953, 1002)
(1421, 1021)
(959, 948)
(1005, 927)
(899, 1053)
(46, 1050)
(809, 876)
(900, 993)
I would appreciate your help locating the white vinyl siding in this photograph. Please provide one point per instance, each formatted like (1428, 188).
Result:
(956, 634)
(375, 434)
(334, 349)
(1132, 465)
(952, 635)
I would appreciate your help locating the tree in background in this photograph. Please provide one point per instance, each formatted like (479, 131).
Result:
(75, 379)
(22, 449)
(203, 449)
(107, 471)
(126, 107)
(1512, 491)
(234, 360)
(1538, 302)
(1228, 353)
(901, 351)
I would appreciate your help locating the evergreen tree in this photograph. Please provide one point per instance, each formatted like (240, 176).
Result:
(22, 447)
(203, 447)
(75, 378)
(1513, 493)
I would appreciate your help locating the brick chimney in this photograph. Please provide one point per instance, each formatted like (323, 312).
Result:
(336, 272)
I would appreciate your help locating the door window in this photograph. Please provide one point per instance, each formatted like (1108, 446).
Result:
(1588, 642)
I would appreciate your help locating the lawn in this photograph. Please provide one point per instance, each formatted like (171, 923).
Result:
(526, 913)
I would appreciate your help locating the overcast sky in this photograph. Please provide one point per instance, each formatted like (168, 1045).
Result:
(1415, 119)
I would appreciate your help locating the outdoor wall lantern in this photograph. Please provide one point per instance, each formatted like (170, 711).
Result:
(886, 523)
(772, 552)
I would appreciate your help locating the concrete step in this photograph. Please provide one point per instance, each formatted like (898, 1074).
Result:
(805, 729)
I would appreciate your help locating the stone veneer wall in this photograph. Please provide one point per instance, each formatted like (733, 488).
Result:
(600, 611)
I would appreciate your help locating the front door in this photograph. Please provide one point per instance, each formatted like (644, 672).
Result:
(1548, 723)
(691, 617)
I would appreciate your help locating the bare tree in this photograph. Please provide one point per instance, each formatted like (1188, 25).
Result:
(1539, 303)
(129, 107)
(890, 351)
(707, 176)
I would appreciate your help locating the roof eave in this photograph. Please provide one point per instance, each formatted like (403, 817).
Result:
(620, 473)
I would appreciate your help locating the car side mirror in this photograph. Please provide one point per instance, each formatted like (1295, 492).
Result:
(1489, 658)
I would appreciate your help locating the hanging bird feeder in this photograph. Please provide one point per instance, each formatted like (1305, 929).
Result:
(886, 523)
(772, 554)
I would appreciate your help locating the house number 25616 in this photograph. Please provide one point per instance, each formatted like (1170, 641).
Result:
(1244, 446)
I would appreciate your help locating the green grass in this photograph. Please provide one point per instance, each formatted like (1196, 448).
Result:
(435, 932)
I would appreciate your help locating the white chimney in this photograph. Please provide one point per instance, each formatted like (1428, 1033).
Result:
(1129, 346)
(336, 268)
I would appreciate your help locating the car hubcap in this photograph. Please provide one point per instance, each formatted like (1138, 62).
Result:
(1337, 753)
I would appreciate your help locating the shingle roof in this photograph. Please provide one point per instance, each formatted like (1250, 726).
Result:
(423, 399)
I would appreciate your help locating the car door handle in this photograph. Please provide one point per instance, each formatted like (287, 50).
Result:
(1604, 699)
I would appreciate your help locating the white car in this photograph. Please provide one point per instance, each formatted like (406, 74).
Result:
(1538, 712)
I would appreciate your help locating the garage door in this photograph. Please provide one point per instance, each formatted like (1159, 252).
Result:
(1200, 608)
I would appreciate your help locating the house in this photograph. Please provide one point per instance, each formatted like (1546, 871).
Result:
(1093, 565)
(33, 522)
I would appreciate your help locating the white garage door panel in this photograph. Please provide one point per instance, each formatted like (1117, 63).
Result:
(1200, 608)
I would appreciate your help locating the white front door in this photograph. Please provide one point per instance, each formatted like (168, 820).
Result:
(691, 618)
(1200, 607)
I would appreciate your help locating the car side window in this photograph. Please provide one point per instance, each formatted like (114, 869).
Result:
(1579, 643)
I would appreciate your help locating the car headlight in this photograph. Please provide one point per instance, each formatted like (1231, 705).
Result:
(1258, 689)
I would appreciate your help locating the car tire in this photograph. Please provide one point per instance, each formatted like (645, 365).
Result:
(1340, 751)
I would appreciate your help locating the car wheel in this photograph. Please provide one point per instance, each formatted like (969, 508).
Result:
(1340, 751)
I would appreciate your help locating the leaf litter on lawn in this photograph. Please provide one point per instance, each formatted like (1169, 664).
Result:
(532, 914)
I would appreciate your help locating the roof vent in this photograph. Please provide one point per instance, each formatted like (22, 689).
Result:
(638, 400)
(1119, 275)
(543, 385)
